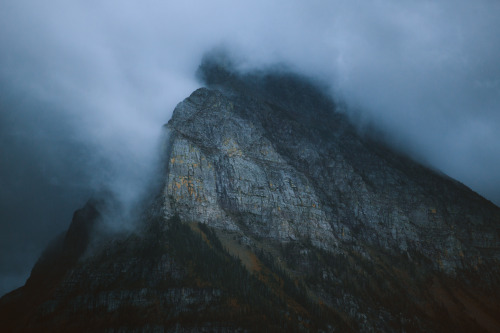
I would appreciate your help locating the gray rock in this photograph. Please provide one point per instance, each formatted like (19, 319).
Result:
(275, 214)
(235, 167)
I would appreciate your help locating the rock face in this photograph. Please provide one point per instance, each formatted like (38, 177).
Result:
(223, 171)
(270, 156)
(275, 214)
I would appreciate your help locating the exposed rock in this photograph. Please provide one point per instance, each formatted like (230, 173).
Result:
(270, 155)
(275, 215)
(223, 171)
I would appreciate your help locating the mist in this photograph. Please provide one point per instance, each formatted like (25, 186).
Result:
(85, 87)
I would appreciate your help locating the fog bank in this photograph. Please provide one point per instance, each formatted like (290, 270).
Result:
(85, 87)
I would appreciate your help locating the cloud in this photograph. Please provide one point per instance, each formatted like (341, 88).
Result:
(86, 85)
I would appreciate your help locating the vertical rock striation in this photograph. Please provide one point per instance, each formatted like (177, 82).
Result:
(223, 171)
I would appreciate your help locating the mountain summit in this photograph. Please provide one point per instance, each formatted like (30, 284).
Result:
(275, 214)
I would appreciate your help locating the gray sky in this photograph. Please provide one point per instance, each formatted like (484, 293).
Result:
(86, 85)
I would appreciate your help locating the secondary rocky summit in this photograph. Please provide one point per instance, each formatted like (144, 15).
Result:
(275, 214)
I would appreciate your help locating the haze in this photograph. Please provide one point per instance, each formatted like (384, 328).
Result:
(85, 87)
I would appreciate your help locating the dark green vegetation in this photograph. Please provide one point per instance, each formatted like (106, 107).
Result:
(175, 275)
(396, 283)
(170, 276)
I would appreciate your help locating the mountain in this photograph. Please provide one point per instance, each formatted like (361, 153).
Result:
(274, 214)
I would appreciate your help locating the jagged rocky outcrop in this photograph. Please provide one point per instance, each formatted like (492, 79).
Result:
(275, 214)
(270, 156)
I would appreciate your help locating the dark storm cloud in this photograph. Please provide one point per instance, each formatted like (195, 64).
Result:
(86, 85)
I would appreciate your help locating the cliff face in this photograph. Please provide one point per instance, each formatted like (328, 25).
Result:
(223, 171)
(275, 214)
(269, 156)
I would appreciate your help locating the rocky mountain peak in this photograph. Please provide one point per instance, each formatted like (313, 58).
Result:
(281, 135)
(276, 215)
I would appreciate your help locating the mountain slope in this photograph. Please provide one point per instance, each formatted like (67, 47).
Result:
(263, 152)
(276, 214)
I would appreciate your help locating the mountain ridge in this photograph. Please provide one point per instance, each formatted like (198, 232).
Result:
(274, 213)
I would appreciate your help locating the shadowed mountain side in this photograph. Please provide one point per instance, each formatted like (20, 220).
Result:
(172, 275)
(60, 256)
(275, 214)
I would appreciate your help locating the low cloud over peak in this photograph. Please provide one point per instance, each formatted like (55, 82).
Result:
(85, 87)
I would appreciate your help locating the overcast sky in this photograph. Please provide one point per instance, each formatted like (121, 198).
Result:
(86, 85)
